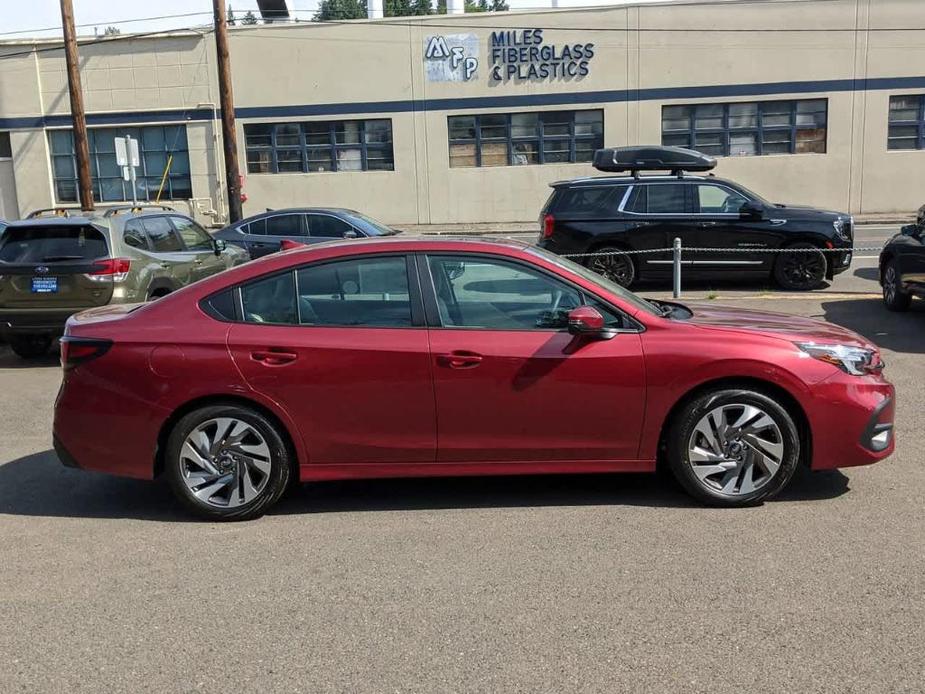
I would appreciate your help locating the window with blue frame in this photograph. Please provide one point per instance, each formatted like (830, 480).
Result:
(513, 139)
(907, 122)
(156, 143)
(748, 129)
(311, 146)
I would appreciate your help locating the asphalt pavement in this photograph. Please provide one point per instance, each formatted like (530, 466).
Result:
(558, 584)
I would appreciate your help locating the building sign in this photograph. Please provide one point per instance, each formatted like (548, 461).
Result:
(451, 58)
(523, 55)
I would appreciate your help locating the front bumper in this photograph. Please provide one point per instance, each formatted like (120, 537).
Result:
(851, 418)
(839, 262)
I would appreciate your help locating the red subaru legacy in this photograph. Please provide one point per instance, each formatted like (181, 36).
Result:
(416, 357)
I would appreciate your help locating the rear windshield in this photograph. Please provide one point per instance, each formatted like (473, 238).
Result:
(52, 244)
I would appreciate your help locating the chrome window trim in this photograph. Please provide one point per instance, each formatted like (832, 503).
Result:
(730, 215)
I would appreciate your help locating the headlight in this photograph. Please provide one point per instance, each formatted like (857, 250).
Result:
(857, 361)
(841, 227)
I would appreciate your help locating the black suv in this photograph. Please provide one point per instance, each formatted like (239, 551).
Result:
(902, 265)
(633, 212)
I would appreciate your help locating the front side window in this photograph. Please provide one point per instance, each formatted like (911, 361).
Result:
(499, 295)
(317, 146)
(195, 238)
(748, 129)
(718, 200)
(161, 235)
(162, 150)
(516, 139)
(907, 122)
(364, 292)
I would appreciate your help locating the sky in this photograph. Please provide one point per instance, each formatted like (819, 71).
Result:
(21, 19)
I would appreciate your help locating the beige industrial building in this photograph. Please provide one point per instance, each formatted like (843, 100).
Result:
(467, 119)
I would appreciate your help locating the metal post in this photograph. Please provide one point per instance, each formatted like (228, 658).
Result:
(676, 274)
(81, 147)
(226, 99)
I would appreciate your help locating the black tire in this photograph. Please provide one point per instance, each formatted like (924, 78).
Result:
(711, 490)
(273, 484)
(894, 298)
(30, 346)
(618, 268)
(801, 271)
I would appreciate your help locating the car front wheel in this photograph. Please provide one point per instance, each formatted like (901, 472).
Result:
(894, 297)
(227, 462)
(800, 271)
(732, 447)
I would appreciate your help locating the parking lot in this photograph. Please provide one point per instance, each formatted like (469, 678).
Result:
(595, 583)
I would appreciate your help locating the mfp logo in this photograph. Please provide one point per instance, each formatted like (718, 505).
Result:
(451, 58)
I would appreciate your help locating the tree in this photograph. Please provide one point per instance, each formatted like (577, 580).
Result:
(111, 31)
(333, 10)
(499, 6)
(249, 18)
(231, 21)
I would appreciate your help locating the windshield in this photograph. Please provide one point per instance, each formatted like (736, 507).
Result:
(754, 196)
(602, 282)
(370, 225)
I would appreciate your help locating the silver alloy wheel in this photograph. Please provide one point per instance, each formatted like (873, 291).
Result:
(735, 449)
(889, 284)
(225, 462)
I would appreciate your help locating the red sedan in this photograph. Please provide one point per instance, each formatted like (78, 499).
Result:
(416, 357)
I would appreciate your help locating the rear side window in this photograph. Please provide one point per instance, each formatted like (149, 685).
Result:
(52, 244)
(662, 198)
(161, 235)
(270, 300)
(588, 202)
(285, 225)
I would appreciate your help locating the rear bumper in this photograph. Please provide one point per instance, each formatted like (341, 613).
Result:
(852, 421)
(32, 322)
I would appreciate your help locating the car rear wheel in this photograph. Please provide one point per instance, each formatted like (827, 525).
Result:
(227, 462)
(800, 271)
(894, 297)
(618, 267)
(732, 447)
(30, 346)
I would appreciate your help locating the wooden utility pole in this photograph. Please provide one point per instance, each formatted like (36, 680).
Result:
(226, 101)
(81, 147)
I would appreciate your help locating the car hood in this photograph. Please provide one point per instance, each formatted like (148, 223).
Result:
(804, 212)
(782, 325)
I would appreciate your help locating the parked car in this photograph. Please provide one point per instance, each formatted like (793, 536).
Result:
(643, 213)
(902, 265)
(58, 262)
(430, 357)
(264, 233)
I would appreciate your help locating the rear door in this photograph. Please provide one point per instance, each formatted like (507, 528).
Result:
(50, 266)
(200, 246)
(737, 241)
(659, 213)
(170, 257)
(283, 226)
(342, 346)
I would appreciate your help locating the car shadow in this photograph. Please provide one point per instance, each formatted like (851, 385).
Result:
(8, 360)
(868, 273)
(38, 485)
(898, 332)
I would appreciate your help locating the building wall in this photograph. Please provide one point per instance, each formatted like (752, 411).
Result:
(655, 55)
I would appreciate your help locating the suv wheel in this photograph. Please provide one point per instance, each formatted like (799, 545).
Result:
(800, 271)
(617, 268)
(227, 462)
(30, 346)
(733, 447)
(894, 297)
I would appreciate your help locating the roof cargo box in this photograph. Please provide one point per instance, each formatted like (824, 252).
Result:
(651, 158)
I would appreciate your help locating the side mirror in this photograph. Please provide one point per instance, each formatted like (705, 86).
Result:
(751, 210)
(350, 234)
(220, 246)
(587, 321)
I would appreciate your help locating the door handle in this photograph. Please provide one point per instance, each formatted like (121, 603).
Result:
(272, 357)
(460, 359)
(708, 224)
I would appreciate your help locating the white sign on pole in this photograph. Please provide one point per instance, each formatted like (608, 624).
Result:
(127, 158)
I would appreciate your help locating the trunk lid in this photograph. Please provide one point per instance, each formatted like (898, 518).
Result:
(48, 266)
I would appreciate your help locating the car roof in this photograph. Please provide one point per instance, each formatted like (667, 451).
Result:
(72, 221)
(297, 210)
(621, 180)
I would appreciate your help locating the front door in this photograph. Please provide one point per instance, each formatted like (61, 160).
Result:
(342, 347)
(511, 384)
(737, 241)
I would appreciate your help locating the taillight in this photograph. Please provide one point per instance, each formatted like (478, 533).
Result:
(115, 269)
(549, 223)
(77, 350)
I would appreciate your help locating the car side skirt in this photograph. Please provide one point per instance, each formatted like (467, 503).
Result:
(318, 472)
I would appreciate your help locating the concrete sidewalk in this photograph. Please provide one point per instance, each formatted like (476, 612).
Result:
(890, 219)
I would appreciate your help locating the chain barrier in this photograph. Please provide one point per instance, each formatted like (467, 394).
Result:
(694, 249)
